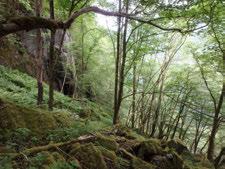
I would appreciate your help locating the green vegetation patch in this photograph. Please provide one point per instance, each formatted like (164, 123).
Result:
(13, 116)
(89, 156)
(107, 141)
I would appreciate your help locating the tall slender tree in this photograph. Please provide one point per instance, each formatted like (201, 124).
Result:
(39, 53)
(51, 59)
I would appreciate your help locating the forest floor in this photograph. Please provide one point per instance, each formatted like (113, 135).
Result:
(77, 134)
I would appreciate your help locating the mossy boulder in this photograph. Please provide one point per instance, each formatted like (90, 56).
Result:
(168, 161)
(122, 163)
(13, 116)
(177, 145)
(89, 156)
(109, 157)
(197, 161)
(147, 149)
(45, 159)
(107, 141)
(137, 163)
(107, 153)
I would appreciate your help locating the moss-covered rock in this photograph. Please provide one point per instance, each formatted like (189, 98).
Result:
(177, 145)
(45, 159)
(168, 161)
(89, 156)
(107, 141)
(107, 153)
(109, 157)
(13, 116)
(149, 148)
(137, 163)
(198, 161)
(122, 163)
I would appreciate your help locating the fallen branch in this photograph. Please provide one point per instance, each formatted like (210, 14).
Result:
(55, 146)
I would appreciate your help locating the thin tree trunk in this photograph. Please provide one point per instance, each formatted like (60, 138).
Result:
(51, 59)
(210, 152)
(134, 98)
(122, 76)
(156, 115)
(39, 52)
(116, 113)
(211, 147)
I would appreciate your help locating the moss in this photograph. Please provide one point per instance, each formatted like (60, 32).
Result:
(137, 163)
(107, 153)
(149, 148)
(14, 116)
(109, 157)
(122, 163)
(89, 156)
(107, 141)
(177, 160)
(45, 159)
(58, 157)
(49, 159)
(177, 145)
(136, 136)
(196, 161)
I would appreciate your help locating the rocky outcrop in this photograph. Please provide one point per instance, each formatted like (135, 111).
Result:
(19, 51)
(106, 151)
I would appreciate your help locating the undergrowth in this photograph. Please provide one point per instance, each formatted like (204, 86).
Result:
(22, 89)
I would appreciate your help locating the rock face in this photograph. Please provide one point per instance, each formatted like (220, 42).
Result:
(19, 51)
(63, 76)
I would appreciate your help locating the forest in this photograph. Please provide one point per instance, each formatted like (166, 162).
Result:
(112, 84)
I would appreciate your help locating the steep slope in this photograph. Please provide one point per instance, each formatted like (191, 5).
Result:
(118, 148)
(18, 111)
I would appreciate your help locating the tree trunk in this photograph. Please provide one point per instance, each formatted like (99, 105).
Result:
(156, 115)
(210, 152)
(134, 96)
(116, 113)
(51, 60)
(39, 52)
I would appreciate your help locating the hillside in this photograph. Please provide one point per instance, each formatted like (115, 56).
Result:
(112, 84)
(64, 135)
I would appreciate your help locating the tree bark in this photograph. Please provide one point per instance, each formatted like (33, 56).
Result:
(39, 52)
(210, 152)
(134, 96)
(116, 113)
(51, 60)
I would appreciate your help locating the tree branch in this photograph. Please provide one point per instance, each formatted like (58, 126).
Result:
(30, 23)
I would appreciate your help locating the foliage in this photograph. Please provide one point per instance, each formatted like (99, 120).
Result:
(26, 4)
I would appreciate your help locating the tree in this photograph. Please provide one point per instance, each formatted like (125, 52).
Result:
(39, 52)
(51, 59)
